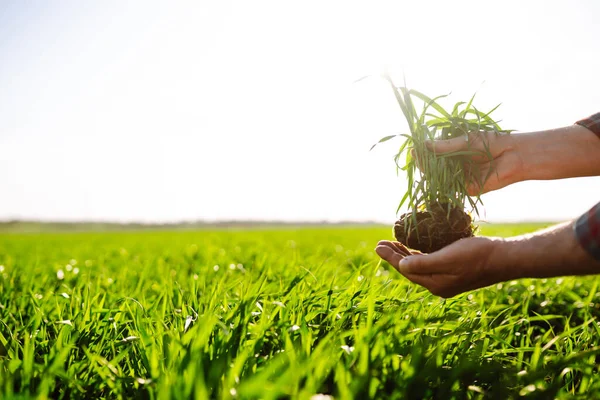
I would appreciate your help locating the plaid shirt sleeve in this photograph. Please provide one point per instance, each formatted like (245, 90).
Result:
(587, 227)
(587, 230)
(592, 123)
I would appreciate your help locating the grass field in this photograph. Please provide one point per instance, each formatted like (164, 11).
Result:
(277, 314)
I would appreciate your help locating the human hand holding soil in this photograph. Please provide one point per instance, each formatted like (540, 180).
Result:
(567, 249)
(477, 262)
(457, 268)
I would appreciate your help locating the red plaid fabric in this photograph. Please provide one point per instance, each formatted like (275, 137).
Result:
(587, 227)
(592, 123)
(587, 230)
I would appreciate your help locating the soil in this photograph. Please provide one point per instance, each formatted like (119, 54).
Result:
(435, 229)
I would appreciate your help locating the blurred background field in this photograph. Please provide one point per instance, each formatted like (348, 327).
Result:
(276, 313)
(485, 228)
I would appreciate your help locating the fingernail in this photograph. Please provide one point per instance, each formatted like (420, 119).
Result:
(404, 263)
(384, 251)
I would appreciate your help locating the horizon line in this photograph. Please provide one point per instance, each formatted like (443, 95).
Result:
(245, 221)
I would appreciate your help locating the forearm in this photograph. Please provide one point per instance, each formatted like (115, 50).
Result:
(552, 252)
(568, 152)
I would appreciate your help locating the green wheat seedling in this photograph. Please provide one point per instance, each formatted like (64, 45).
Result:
(438, 178)
(277, 314)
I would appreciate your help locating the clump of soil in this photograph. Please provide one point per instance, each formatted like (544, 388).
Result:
(434, 230)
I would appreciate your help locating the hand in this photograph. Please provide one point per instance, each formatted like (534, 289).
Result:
(505, 168)
(465, 265)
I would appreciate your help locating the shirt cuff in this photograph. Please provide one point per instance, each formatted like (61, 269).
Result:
(592, 123)
(587, 231)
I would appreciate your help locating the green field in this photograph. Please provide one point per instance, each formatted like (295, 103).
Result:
(277, 314)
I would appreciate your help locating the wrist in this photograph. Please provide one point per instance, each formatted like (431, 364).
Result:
(551, 252)
(522, 144)
(516, 147)
(501, 261)
(566, 152)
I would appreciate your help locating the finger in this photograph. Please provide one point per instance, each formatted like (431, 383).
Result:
(439, 262)
(448, 145)
(478, 180)
(491, 176)
(402, 249)
(389, 255)
(449, 261)
(387, 243)
(473, 141)
(432, 282)
(396, 246)
(482, 179)
(405, 250)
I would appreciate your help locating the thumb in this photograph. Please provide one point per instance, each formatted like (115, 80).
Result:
(389, 255)
(423, 264)
(448, 145)
(409, 265)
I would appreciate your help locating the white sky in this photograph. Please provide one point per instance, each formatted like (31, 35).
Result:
(163, 111)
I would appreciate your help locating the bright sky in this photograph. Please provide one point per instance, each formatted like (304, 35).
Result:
(164, 111)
